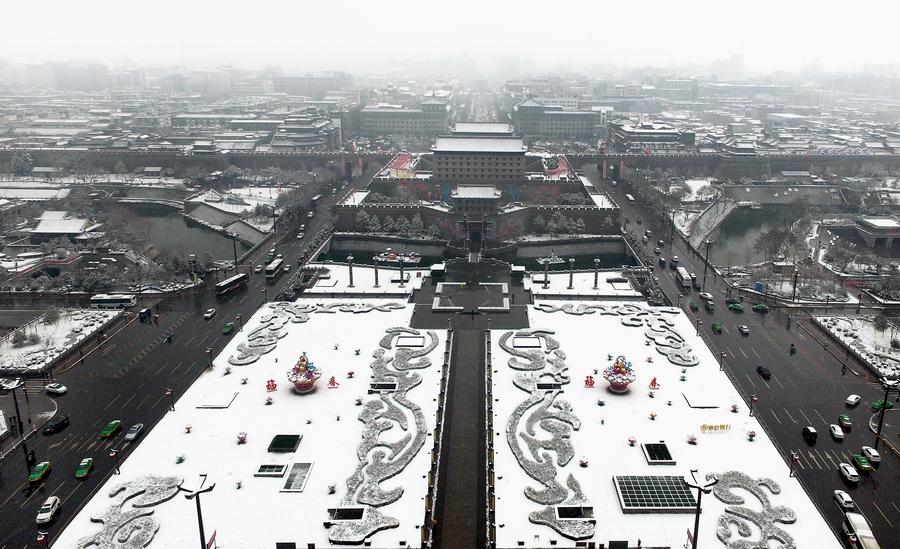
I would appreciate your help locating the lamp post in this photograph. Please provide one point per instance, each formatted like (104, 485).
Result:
(888, 385)
(171, 396)
(209, 356)
(115, 455)
(234, 248)
(753, 399)
(699, 324)
(402, 276)
(546, 273)
(721, 362)
(376, 272)
(350, 267)
(571, 272)
(706, 263)
(265, 294)
(43, 538)
(596, 271)
(195, 495)
(702, 488)
(795, 458)
(240, 321)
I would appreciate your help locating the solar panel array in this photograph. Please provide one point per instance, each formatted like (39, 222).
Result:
(657, 453)
(654, 494)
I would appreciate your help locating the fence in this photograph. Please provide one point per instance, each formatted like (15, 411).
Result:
(434, 497)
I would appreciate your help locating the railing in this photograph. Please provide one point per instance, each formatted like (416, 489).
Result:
(433, 498)
(489, 504)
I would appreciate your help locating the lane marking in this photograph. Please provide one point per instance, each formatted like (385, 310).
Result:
(111, 402)
(163, 367)
(816, 461)
(743, 353)
(750, 380)
(127, 401)
(77, 486)
(775, 416)
(142, 401)
(816, 410)
(790, 416)
(755, 353)
(778, 382)
(808, 422)
(891, 524)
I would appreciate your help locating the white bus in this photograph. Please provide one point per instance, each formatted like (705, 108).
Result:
(858, 532)
(113, 301)
(229, 284)
(274, 268)
(683, 277)
(629, 197)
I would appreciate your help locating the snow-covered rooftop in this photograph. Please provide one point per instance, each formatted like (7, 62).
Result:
(609, 284)
(263, 497)
(560, 447)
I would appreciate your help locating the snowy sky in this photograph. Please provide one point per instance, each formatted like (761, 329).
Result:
(362, 36)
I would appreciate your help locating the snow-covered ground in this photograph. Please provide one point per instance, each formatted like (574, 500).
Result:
(695, 186)
(55, 338)
(337, 280)
(597, 449)
(684, 219)
(349, 340)
(873, 348)
(244, 199)
(609, 284)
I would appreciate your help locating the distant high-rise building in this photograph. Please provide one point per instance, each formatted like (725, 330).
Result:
(314, 86)
(40, 76)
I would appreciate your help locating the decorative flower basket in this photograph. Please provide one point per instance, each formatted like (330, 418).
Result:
(632, 441)
(304, 376)
(619, 375)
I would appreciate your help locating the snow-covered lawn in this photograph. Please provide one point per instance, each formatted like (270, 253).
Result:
(609, 284)
(338, 427)
(52, 339)
(873, 348)
(582, 445)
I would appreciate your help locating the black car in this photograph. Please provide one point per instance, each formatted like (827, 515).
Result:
(56, 425)
(764, 372)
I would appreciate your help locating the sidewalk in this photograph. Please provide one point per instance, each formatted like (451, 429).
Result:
(36, 410)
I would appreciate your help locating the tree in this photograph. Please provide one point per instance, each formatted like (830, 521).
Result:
(19, 339)
(402, 226)
(21, 163)
(539, 224)
(231, 174)
(51, 316)
(362, 219)
(120, 168)
(388, 226)
(416, 226)
(373, 225)
(881, 323)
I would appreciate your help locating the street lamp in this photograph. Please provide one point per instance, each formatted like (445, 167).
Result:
(702, 488)
(350, 268)
(43, 538)
(115, 455)
(596, 271)
(706, 262)
(795, 458)
(753, 399)
(721, 362)
(12, 386)
(195, 495)
(265, 294)
(376, 272)
(240, 321)
(209, 356)
(171, 395)
(699, 324)
(888, 385)
(571, 272)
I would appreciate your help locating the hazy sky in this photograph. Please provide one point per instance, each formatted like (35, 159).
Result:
(367, 36)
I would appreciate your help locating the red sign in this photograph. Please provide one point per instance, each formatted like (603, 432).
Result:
(212, 541)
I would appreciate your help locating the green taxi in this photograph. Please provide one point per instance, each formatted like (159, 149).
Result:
(111, 429)
(844, 421)
(716, 327)
(39, 472)
(862, 463)
(736, 307)
(761, 308)
(228, 328)
(84, 468)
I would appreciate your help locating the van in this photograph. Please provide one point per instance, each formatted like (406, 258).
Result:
(144, 314)
(810, 435)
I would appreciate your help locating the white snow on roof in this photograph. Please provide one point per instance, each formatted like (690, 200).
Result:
(590, 343)
(609, 284)
(60, 226)
(258, 514)
(475, 191)
(881, 222)
(479, 144)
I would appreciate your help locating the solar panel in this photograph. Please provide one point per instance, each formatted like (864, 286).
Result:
(296, 478)
(657, 453)
(285, 443)
(654, 494)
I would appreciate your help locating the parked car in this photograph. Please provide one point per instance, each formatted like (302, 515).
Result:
(848, 472)
(133, 432)
(844, 421)
(764, 372)
(810, 434)
(56, 389)
(879, 404)
(836, 432)
(706, 295)
(111, 429)
(744, 329)
(56, 425)
(257, 269)
(39, 472)
(853, 400)
(871, 454)
(84, 468)
(844, 500)
(228, 328)
(209, 314)
(48, 510)
(862, 463)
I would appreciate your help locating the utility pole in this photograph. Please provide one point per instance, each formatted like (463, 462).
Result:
(796, 277)
(702, 488)
(195, 495)
(888, 385)
(706, 263)
(12, 387)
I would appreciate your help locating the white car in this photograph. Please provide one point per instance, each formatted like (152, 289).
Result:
(844, 500)
(657, 250)
(706, 296)
(257, 269)
(287, 267)
(836, 432)
(300, 236)
(134, 431)
(849, 472)
(744, 329)
(209, 314)
(871, 454)
(56, 389)
(48, 510)
(853, 400)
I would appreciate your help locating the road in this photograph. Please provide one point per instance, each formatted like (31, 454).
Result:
(808, 388)
(126, 379)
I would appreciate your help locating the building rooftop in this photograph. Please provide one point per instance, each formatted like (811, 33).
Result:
(475, 191)
(499, 128)
(880, 222)
(479, 144)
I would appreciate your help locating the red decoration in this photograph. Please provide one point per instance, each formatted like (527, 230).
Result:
(589, 382)
(271, 386)
(333, 383)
